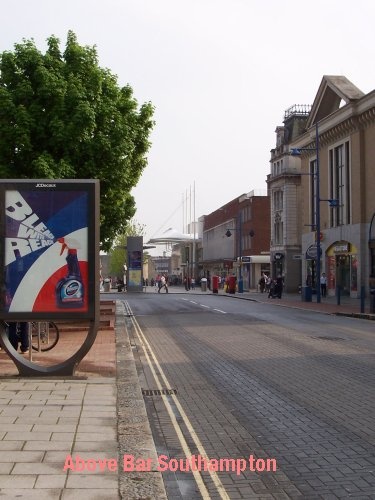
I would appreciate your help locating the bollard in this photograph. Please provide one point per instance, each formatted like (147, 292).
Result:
(362, 299)
(372, 301)
(338, 294)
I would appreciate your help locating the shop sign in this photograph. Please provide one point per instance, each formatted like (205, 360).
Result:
(341, 248)
(278, 256)
(311, 252)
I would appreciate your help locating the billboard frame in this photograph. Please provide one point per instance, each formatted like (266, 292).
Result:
(54, 191)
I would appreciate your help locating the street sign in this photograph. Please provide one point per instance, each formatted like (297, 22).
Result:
(311, 252)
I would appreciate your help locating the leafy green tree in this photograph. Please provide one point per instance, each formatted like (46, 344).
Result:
(64, 117)
(118, 253)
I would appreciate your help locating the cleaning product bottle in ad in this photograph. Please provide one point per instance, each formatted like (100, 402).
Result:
(69, 290)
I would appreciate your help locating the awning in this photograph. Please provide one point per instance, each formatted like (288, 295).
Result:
(257, 259)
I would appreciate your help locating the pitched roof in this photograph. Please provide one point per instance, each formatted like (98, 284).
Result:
(332, 90)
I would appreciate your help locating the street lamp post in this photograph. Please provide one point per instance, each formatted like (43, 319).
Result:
(317, 215)
(240, 280)
(333, 203)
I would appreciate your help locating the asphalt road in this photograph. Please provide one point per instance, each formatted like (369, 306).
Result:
(262, 387)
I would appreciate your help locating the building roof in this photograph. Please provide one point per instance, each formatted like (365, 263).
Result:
(332, 90)
(171, 235)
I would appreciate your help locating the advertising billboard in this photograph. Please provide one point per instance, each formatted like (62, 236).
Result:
(135, 263)
(48, 247)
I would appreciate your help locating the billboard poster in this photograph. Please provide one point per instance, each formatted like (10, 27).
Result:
(47, 230)
(135, 263)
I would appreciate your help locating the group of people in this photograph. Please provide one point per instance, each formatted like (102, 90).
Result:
(189, 283)
(274, 287)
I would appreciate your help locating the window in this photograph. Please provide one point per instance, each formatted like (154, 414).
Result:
(339, 184)
(278, 229)
(246, 213)
(278, 200)
(313, 194)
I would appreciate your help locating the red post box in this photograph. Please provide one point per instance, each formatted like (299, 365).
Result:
(215, 284)
(232, 284)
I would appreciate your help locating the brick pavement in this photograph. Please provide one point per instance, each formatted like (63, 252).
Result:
(43, 420)
(348, 306)
(92, 415)
(284, 394)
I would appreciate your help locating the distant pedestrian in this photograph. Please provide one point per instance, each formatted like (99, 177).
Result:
(268, 282)
(279, 287)
(323, 284)
(163, 284)
(272, 289)
(262, 284)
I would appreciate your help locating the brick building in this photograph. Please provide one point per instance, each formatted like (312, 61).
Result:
(235, 239)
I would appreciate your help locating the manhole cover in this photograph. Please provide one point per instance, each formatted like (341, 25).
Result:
(337, 339)
(158, 392)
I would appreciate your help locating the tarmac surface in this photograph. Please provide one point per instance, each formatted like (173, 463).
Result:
(65, 438)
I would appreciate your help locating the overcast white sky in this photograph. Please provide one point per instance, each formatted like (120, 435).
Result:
(220, 74)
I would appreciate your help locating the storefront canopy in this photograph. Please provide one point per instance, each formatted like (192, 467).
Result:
(259, 259)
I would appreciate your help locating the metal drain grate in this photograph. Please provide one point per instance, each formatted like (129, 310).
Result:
(336, 339)
(158, 392)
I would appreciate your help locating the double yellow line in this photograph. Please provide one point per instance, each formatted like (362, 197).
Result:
(160, 380)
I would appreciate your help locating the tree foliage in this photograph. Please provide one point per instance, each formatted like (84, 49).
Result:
(64, 117)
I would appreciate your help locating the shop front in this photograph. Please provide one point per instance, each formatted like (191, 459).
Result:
(253, 267)
(342, 268)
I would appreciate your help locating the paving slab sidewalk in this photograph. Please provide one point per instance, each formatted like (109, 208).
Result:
(63, 438)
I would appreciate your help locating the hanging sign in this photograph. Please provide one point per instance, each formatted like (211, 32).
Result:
(312, 252)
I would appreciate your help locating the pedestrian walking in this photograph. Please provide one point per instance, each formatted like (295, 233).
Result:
(323, 285)
(262, 284)
(19, 334)
(163, 284)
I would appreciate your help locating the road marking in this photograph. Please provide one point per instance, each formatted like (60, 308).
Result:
(207, 307)
(197, 476)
